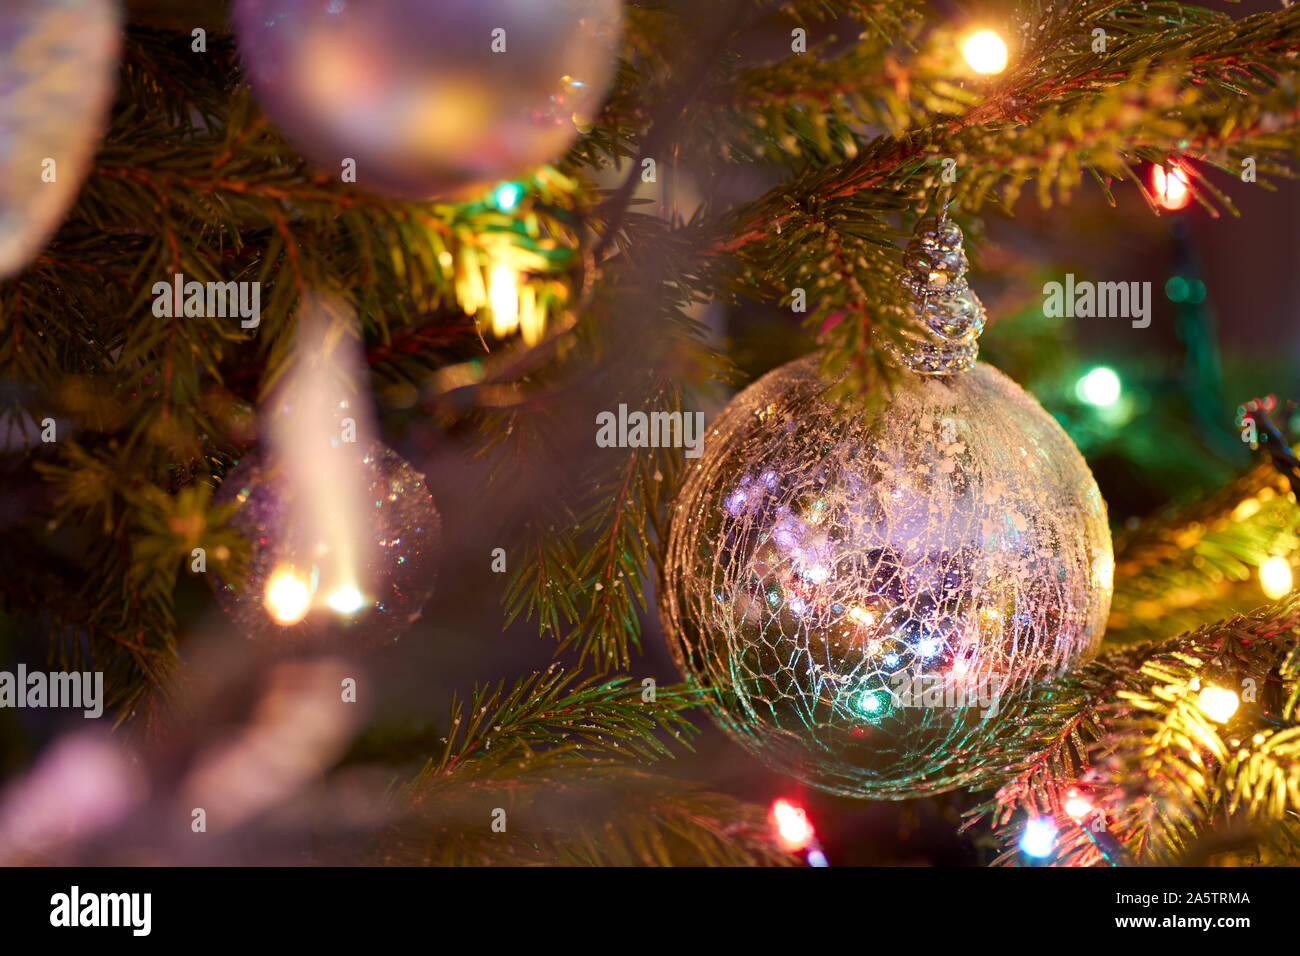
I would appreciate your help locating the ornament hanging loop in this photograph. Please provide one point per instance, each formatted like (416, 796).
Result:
(946, 316)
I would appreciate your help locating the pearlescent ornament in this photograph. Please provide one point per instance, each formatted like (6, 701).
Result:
(861, 588)
(431, 98)
(299, 586)
(58, 73)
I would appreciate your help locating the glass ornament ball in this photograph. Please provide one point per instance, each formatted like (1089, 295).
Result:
(862, 589)
(58, 74)
(429, 98)
(293, 586)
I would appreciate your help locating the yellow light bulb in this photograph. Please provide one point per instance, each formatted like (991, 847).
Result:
(985, 52)
(287, 597)
(1247, 509)
(1275, 578)
(532, 317)
(503, 293)
(1171, 187)
(1219, 704)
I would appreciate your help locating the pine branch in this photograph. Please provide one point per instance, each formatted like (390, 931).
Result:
(586, 553)
(547, 751)
(1133, 730)
(551, 754)
(1177, 82)
(1185, 568)
(192, 179)
(558, 718)
(605, 816)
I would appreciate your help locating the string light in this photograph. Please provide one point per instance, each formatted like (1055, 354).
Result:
(512, 300)
(506, 196)
(532, 317)
(1077, 804)
(1170, 187)
(793, 830)
(1218, 703)
(985, 52)
(791, 824)
(287, 597)
(1100, 387)
(503, 293)
(1091, 822)
(1248, 508)
(1275, 577)
(1038, 838)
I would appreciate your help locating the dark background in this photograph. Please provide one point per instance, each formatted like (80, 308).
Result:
(1179, 439)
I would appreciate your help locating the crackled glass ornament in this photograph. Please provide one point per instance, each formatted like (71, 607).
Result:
(863, 589)
(429, 98)
(297, 585)
(58, 74)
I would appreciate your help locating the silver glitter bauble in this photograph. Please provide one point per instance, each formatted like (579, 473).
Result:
(58, 73)
(429, 97)
(401, 532)
(861, 588)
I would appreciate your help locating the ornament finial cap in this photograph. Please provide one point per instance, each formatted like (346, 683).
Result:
(947, 316)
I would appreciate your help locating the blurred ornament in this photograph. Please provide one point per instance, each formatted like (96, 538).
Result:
(58, 73)
(82, 785)
(860, 587)
(431, 98)
(290, 737)
(294, 580)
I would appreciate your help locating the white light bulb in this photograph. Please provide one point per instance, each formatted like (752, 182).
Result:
(1100, 387)
(346, 600)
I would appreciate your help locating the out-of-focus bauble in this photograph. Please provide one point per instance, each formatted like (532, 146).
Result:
(862, 589)
(58, 74)
(431, 98)
(293, 589)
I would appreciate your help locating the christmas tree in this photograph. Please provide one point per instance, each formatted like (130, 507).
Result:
(370, 490)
